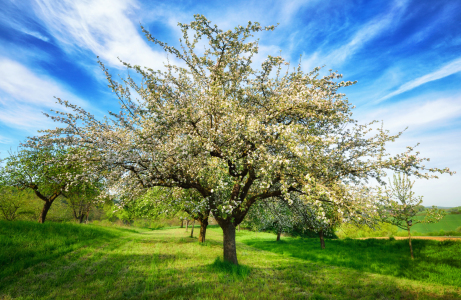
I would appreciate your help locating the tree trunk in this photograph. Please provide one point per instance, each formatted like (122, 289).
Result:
(192, 230)
(239, 227)
(322, 241)
(182, 223)
(80, 219)
(409, 240)
(278, 235)
(229, 247)
(203, 226)
(46, 208)
(187, 225)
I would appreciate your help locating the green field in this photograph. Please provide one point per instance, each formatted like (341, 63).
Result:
(448, 223)
(67, 261)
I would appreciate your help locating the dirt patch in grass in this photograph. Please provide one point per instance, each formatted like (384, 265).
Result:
(436, 238)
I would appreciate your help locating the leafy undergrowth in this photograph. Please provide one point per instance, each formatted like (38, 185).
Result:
(168, 264)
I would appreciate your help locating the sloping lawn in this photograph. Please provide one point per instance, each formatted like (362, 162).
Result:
(168, 264)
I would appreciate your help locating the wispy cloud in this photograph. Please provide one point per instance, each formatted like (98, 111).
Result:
(447, 70)
(104, 27)
(35, 34)
(5, 140)
(417, 114)
(23, 94)
(362, 36)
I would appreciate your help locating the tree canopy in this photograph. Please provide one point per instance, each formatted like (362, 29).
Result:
(234, 133)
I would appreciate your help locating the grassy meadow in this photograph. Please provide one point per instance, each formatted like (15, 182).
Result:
(70, 261)
(448, 223)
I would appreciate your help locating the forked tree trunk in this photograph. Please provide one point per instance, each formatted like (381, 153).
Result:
(80, 219)
(229, 247)
(278, 235)
(322, 241)
(45, 209)
(203, 226)
(409, 240)
(192, 230)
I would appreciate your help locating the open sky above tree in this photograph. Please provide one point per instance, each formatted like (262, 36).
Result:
(404, 54)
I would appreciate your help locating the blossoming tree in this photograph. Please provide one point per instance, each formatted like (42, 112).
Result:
(234, 133)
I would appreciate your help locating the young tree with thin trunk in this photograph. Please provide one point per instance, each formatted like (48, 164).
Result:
(234, 133)
(401, 206)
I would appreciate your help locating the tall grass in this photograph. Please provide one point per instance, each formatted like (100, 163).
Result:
(25, 243)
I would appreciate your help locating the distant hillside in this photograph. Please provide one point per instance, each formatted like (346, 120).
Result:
(448, 223)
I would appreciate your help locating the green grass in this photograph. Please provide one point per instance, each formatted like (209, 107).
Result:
(435, 262)
(448, 223)
(107, 263)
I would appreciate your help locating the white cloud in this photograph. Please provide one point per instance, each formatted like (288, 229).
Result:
(447, 70)
(24, 94)
(417, 114)
(104, 27)
(434, 123)
(443, 150)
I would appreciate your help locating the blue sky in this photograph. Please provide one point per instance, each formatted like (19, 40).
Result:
(405, 55)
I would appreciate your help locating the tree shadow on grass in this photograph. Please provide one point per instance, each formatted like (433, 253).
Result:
(163, 275)
(377, 256)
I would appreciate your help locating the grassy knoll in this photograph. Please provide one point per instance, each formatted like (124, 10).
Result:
(164, 264)
(448, 223)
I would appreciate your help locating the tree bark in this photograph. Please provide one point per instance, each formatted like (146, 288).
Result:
(46, 208)
(239, 227)
(182, 223)
(229, 247)
(278, 235)
(187, 225)
(322, 241)
(192, 230)
(80, 219)
(203, 226)
(409, 240)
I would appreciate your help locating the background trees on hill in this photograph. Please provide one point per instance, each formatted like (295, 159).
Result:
(234, 134)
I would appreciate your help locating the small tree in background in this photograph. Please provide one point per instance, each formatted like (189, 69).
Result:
(83, 198)
(274, 214)
(401, 206)
(48, 171)
(188, 205)
(11, 201)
